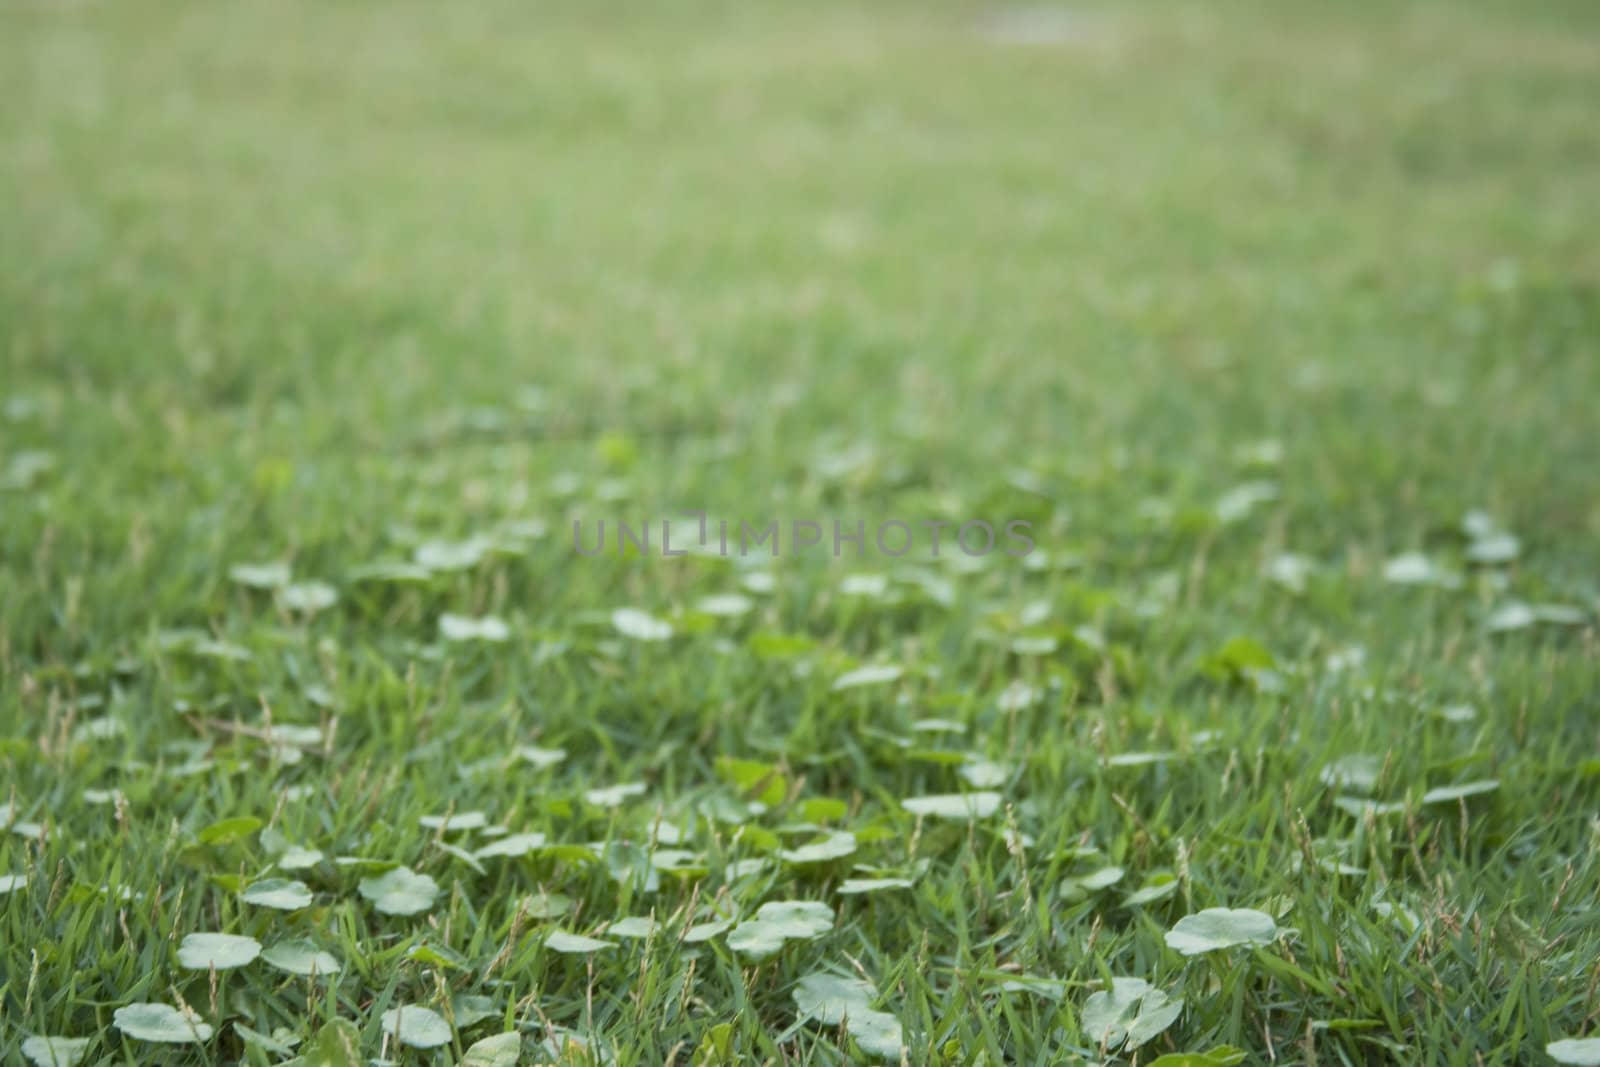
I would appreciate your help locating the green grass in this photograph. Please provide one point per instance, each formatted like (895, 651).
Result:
(318, 283)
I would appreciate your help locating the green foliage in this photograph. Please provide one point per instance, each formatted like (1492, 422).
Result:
(321, 323)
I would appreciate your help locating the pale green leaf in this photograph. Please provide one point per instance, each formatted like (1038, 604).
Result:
(417, 1027)
(161, 1023)
(400, 892)
(278, 893)
(204, 952)
(44, 1051)
(300, 956)
(954, 805)
(501, 1050)
(1221, 928)
(1575, 1051)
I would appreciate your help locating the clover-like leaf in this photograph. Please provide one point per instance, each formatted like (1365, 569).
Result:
(455, 822)
(724, 605)
(295, 858)
(279, 893)
(308, 598)
(1361, 807)
(543, 905)
(1357, 772)
(1108, 1012)
(541, 757)
(260, 575)
(640, 625)
(1446, 794)
(832, 999)
(829, 998)
(501, 1050)
(300, 956)
(204, 952)
(878, 1033)
(705, 931)
(511, 845)
(954, 805)
(400, 892)
(417, 1027)
(984, 774)
(1219, 928)
(613, 796)
(468, 1010)
(439, 556)
(280, 1042)
(1414, 568)
(778, 921)
(161, 1024)
(465, 628)
(1104, 878)
(878, 674)
(1494, 549)
(1575, 1051)
(1128, 1015)
(834, 846)
(634, 927)
(45, 1051)
(1289, 570)
(575, 944)
(1156, 887)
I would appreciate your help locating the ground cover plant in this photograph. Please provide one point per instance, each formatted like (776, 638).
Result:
(321, 325)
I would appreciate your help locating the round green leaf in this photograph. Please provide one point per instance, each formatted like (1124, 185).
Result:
(308, 597)
(705, 931)
(465, 628)
(954, 805)
(862, 676)
(295, 858)
(1220, 928)
(300, 956)
(43, 1051)
(1448, 793)
(260, 575)
(161, 1023)
(454, 823)
(778, 921)
(829, 998)
(501, 1050)
(1357, 772)
(634, 927)
(575, 944)
(511, 845)
(639, 625)
(279, 893)
(400, 892)
(878, 1033)
(204, 952)
(836, 845)
(417, 1027)
(613, 796)
(1575, 1051)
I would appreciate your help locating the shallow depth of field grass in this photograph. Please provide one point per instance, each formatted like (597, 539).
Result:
(320, 324)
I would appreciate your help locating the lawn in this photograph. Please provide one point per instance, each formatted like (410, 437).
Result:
(323, 325)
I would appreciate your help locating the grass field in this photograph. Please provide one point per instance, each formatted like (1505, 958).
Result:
(321, 324)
